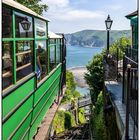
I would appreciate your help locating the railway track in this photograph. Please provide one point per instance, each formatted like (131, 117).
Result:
(77, 133)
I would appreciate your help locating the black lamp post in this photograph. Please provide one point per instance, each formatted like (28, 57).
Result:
(26, 25)
(108, 23)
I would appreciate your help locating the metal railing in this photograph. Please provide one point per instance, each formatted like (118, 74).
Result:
(119, 63)
(131, 100)
(132, 53)
(127, 68)
(125, 63)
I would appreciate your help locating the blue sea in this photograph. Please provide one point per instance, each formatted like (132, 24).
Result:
(80, 56)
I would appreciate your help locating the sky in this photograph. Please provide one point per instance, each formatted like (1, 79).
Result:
(69, 16)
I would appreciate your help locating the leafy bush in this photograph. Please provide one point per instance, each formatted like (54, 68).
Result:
(71, 85)
(69, 120)
(81, 116)
(58, 122)
(70, 91)
(98, 120)
(94, 76)
(63, 120)
(122, 43)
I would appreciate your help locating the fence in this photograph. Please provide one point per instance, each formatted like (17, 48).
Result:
(125, 63)
(131, 97)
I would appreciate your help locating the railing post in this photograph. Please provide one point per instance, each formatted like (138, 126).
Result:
(127, 103)
(123, 87)
(126, 51)
(117, 62)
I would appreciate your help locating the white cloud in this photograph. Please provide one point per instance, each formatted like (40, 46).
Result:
(57, 3)
(61, 10)
(79, 14)
(67, 16)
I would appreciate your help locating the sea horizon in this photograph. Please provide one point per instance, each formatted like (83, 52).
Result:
(79, 56)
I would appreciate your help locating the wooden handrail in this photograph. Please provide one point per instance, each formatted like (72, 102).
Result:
(21, 53)
(26, 65)
(6, 57)
(7, 74)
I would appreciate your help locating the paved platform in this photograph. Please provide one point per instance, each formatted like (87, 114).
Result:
(115, 90)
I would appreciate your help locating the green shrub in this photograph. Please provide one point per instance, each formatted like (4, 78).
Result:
(69, 120)
(71, 85)
(70, 91)
(94, 76)
(81, 116)
(62, 121)
(98, 120)
(58, 122)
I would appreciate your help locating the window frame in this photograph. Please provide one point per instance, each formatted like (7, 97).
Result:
(52, 45)
(14, 39)
(57, 41)
(40, 39)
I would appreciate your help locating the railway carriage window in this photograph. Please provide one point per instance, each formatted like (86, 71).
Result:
(40, 28)
(24, 58)
(24, 27)
(41, 59)
(52, 54)
(6, 22)
(7, 64)
(58, 51)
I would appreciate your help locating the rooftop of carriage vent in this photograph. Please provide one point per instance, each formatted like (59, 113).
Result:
(19, 6)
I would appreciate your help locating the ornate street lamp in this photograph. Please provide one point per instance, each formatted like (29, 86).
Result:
(108, 23)
(26, 25)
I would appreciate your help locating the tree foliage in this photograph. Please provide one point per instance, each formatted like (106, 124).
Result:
(71, 85)
(63, 120)
(81, 116)
(98, 120)
(70, 92)
(121, 43)
(94, 76)
(34, 5)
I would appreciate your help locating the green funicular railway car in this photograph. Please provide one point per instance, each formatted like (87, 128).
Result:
(33, 70)
(134, 25)
(133, 52)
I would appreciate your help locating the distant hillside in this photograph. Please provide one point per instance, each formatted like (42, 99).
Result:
(95, 38)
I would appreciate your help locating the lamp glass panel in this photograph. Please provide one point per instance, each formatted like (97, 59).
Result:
(108, 24)
(21, 25)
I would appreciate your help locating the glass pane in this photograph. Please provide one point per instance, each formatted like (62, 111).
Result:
(6, 23)
(41, 59)
(24, 27)
(24, 58)
(58, 51)
(52, 54)
(40, 28)
(7, 65)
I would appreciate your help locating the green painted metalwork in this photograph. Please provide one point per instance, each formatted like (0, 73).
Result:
(48, 56)
(34, 48)
(7, 39)
(134, 23)
(41, 39)
(17, 96)
(24, 107)
(14, 49)
(43, 102)
(55, 52)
